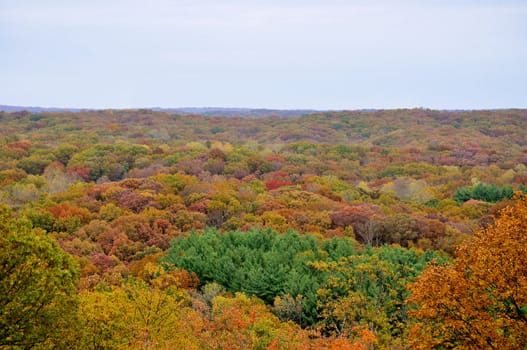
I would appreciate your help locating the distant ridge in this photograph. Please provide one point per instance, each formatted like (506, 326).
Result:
(6, 108)
(237, 112)
(207, 111)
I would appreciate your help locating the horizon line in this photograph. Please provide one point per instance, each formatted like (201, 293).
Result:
(19, 108)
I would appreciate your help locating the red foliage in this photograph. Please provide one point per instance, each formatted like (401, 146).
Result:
(135, 201)
(520, 179)
(107, 240)
(277, 174)
(24, 145)
(272, 158)
(355, 214)
(200, 206)
(274, 184)
(81, 171)
(103, 261)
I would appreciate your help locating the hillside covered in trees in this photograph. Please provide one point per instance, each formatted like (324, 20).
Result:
(381, 229)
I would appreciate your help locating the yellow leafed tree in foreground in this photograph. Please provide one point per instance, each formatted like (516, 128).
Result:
(37, 286)
(479, 301)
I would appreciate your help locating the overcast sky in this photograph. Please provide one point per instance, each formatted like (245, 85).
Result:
(327, 54)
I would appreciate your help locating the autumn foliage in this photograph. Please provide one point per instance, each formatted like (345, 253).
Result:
(143, 229)
(480, 300)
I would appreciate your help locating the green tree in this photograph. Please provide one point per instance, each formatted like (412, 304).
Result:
(37, 285)
(259, 262)
(485, 192)
(369, 290)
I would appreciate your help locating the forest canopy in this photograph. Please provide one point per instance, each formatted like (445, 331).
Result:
(349, 230)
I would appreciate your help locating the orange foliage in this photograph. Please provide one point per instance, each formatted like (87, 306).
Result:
(479, 301)
(23, 145)
(65, 210)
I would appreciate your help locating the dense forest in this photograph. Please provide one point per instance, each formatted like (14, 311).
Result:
(386, 229)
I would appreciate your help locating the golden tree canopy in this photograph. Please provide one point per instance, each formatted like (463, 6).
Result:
(479, 301)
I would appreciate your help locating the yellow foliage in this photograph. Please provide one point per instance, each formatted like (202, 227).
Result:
(132, 317)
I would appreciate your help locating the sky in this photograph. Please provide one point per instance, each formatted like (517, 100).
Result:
(285, 54)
